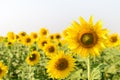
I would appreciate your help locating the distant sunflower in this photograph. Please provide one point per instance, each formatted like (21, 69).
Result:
(3, 70)
(9, 43)
(86, 38)
(18, 38)
(51, 37)
(50, 49)
(60, 65)
(22, 34)
(11, 36)
(43, 32)
(27, 41)
(33, 58)
(34, 36)
(42, 42)
(113, 40)
(57, 36)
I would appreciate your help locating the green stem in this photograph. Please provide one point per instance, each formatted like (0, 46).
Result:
(88, 67)
(30, 71)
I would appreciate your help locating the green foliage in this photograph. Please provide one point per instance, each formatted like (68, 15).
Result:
(104, 67)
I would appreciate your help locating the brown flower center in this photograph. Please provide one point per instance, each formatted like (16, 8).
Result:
(32, 57)
(44, 32)
(44, 43)
(58, 36)
(17, 37)
(0, 70)
(51, 37)
(113, 39)
(23, 33)
(61, 64)
(88, 39)
(35, 36)
(9, 43)
(51, 49)
(28, 40)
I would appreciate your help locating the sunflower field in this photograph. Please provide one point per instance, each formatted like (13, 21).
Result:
(83, 51)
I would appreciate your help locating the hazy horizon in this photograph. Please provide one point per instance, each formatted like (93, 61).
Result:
(55, 15)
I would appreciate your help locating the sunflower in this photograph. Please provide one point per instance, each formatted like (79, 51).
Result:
(50, 49)
(27, 41)
(8, 43)
(60, 65)
(18, 38)
(57, 36)
(86, 38)
(43, 32)
(3, 70)
(34, 36)
(11, 37)
(113, 40)
(33, 58)
(42, 42)
(51, 37)
(22, 34)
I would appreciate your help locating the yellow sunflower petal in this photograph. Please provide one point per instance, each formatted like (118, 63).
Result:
(91, 20)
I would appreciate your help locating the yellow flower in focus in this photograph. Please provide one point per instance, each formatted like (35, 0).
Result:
(86, 38)
(43, 32)
(27, 41)
(50, 49)
(113, 40)
(60, 65)
(33, 58)
(11, 37)
(3, 70)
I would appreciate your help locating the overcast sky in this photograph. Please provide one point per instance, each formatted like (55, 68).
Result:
(56, 15)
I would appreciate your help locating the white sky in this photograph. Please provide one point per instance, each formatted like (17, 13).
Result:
(56, 15)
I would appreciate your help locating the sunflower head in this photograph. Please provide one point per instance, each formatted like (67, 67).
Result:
(27, 41)
(60, 65)
(86, 38)
(11, 37)
(22, 34)
(33, 58)
(58, 36)
(113, 40)
(43, 32)
(34, 36)
(9, 43)
(50, 49)
(42, 42)
(51, 37)
(3, 70)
